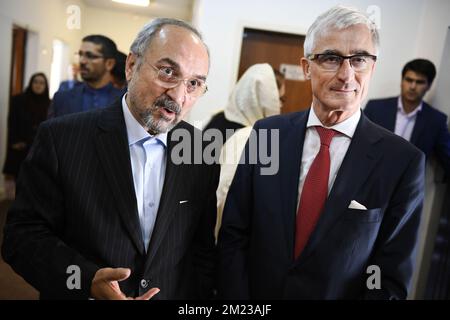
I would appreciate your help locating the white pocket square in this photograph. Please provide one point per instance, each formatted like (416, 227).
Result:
(356, 205)
(184, 201)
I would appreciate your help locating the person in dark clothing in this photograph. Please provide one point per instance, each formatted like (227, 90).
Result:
(27, 111)
(118, 78)
(97, 57)
(410, 117)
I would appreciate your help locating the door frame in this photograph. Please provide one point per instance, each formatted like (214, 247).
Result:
(270, 27)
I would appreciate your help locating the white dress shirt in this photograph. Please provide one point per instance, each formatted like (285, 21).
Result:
(404, 123)
(338, 147)
(148, 163)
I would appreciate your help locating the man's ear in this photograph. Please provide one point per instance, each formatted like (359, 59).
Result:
(305, 64)
(110, 63)
(130, 66)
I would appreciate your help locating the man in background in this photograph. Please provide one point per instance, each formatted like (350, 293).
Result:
(118, 77)
(97, 57)
(412, 118)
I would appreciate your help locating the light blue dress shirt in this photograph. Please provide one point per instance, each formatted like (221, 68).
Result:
(148, 163)
(405, 122)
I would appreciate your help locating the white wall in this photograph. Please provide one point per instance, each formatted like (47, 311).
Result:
(409, 28)
(121, 27)
(431, 40)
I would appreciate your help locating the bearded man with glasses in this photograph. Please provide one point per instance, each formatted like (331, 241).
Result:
(96, 58)
(340, 218)
(102, 191)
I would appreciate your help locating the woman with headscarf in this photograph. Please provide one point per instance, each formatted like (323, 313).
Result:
(27, 111)
(257, 95)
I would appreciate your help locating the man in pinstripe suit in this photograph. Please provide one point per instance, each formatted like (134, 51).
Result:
(100, 192)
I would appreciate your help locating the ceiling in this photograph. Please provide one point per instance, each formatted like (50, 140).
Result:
(180, 9)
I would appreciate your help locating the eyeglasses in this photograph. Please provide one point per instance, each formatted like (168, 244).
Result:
(332, 62)
(167, 79)
(88, 55)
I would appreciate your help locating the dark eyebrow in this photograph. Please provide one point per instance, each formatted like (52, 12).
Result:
(176, 66)
(415, 80)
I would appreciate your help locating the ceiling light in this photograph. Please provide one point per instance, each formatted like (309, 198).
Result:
(140, 3)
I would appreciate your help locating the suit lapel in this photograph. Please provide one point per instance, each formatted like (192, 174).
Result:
(357, 165)
(290, 162)
(391, 117)
(113, 152)
(420, 125)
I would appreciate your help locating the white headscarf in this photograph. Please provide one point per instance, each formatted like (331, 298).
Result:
(254, 97)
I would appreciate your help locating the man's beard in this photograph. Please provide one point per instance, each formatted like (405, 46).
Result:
(90, 75)
(163, 124)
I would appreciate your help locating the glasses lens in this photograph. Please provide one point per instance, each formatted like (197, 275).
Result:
(88, 55)
(166, 79)
(166, 75)
(195, 87)
(329, 61)
(360, 63)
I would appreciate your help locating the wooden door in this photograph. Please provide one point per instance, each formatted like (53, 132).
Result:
(18, 60)
(277, 49)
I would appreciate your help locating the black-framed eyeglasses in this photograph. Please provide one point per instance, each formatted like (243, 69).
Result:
(332, 61)
(88, 55)
(166, 78)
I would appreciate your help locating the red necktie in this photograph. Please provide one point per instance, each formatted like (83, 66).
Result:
(315, 191)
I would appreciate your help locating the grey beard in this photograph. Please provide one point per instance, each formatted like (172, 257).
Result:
(157, 126)
(163, 125)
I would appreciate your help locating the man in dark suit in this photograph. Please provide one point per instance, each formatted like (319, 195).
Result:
(104, 207)
(412, 118)
(97, 58)
(339, 219)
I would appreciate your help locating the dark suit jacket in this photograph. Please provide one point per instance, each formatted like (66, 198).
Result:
(256, 243)
(76, 205)
(71, 101)
(430, 133)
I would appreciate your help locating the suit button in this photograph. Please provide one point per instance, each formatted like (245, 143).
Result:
(144, 283)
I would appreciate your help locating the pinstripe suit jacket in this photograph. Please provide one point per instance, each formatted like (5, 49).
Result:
(76, 205)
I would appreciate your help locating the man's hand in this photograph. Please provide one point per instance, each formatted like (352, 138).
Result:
(105, 285)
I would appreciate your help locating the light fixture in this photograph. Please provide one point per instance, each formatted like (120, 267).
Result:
(140, 3)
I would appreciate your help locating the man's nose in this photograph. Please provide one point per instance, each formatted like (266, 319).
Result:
(82, 59)
(345, 72)
(178, 93)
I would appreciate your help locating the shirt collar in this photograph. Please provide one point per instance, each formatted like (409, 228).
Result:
(402, 110)
(346, 127)
(135, 130)
(103, 89)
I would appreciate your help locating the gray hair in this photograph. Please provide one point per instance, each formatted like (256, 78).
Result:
(148, 32)
(339, 17)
